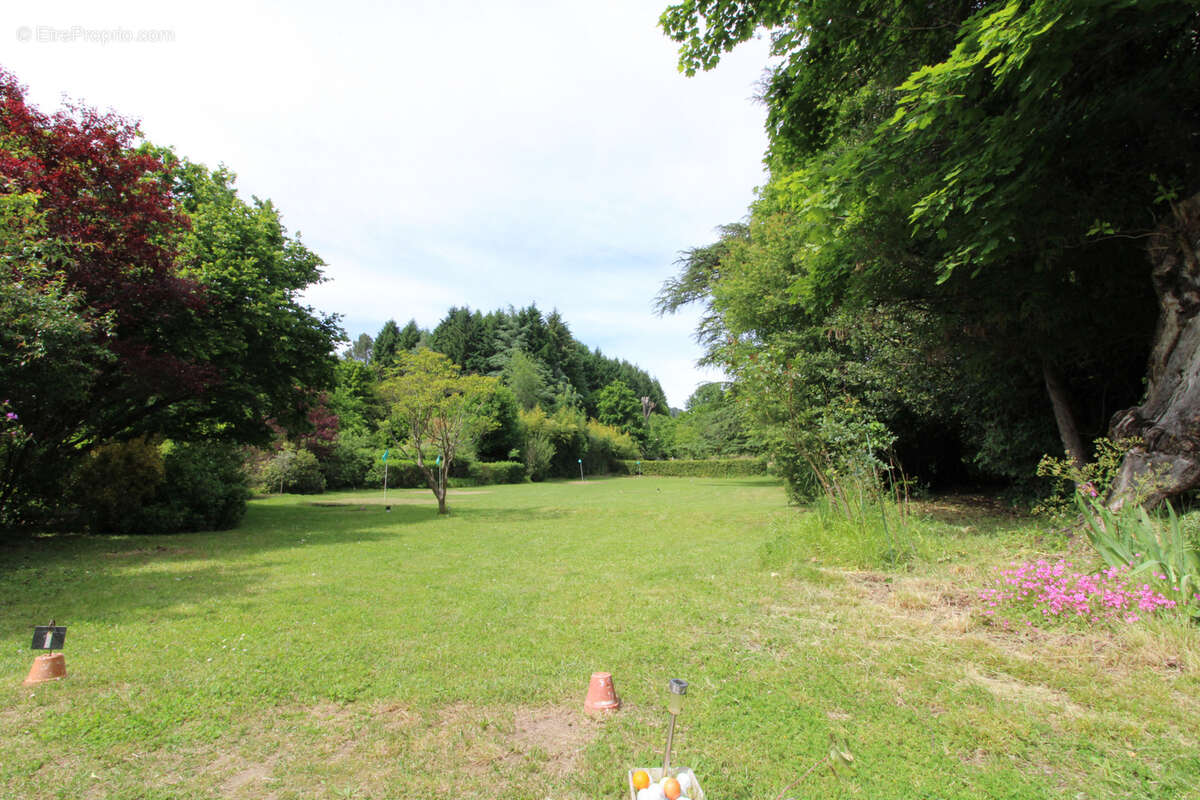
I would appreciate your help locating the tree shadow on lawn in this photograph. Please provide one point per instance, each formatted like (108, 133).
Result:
(109, 593)
(103, 578)
(74, 577)
(505, 515)
(764, 482)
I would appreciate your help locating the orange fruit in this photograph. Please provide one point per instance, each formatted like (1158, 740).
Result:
(641, 779)
(671, 788)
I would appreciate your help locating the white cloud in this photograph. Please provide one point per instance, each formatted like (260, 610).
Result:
(444, 153)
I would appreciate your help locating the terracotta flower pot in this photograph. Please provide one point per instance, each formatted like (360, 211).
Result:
(49, 667)
(601, 696)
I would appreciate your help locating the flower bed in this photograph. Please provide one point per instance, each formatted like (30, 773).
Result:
(1044, 591)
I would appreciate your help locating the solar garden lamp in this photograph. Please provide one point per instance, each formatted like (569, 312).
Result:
(678, 688)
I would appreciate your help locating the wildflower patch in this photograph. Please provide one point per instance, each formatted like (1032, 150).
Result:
(1041, 592)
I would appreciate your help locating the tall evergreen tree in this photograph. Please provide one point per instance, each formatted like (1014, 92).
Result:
(387, 344)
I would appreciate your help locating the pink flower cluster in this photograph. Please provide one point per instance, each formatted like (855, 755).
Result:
(1055, 591)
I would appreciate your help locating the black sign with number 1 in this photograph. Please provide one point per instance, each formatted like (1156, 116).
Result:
(46, 637)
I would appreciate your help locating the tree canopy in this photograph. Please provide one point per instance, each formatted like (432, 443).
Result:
(983, 172)
(140, 296)
(434, 412)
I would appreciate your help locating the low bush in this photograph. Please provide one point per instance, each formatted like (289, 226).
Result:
(349, 461)
(145, 487)
(606, 446)
(401, 474)
(204, 488)
(115, 480)
(489, 472)
(538, 454)
(294, 472)
(701, 468)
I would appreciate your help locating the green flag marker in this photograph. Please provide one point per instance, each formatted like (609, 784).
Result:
(438, 463)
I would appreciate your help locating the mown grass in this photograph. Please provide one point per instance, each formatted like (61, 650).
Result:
(329, 648)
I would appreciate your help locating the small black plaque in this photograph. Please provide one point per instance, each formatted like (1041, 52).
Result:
(48, 637)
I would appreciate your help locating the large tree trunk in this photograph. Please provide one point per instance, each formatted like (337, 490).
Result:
(1166, 459)
(1068, 431)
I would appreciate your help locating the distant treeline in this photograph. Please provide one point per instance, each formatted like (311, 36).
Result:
(551, 361)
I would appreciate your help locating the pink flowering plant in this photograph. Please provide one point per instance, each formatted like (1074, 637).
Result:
(1041, 592)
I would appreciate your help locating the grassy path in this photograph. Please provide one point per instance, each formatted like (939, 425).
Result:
(328, 648)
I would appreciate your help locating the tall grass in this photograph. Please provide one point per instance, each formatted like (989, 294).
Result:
(860, 519)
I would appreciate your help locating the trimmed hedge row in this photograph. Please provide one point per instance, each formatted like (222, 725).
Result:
(489, 472)
(403, 474)
(699, 468)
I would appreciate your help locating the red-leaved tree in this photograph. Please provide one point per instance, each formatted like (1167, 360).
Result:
(113, 323)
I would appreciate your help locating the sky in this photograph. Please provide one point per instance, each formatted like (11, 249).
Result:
(439, 154)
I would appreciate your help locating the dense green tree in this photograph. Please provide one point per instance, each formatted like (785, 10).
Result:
(712, 424)
(361, 349)
(173, 304)
(352, 399)
(558, 353)
(498, 443)
(434, 413)
(463, 337)
(528, 379)
(619, 407)
(387, 345)
(987, 165)
(410, 337)
(269, 351)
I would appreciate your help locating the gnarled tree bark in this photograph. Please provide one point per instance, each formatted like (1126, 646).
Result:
(1166, 459)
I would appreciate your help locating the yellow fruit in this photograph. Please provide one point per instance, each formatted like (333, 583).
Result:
(671, 788)
(641, 779)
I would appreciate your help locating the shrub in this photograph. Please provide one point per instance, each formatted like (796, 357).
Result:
(349, 461)
(204, 488)
(538, 454)
(706, 468)
(876, 533)
(1098, 475)
(401, 474)
(1131, 539)
(117, 479)
(293, 471)
(606, 446)
(489, 472)
(553, 444)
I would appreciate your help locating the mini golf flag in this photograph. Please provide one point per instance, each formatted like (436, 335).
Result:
(385, 452)
(439, 461)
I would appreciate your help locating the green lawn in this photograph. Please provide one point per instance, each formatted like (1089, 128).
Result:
(329, 648)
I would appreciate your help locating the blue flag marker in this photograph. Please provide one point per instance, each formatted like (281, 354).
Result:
(438, 463)
(385, 452)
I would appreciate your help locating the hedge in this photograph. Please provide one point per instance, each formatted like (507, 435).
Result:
(488, 472)
(700, 468)
(401, 474)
